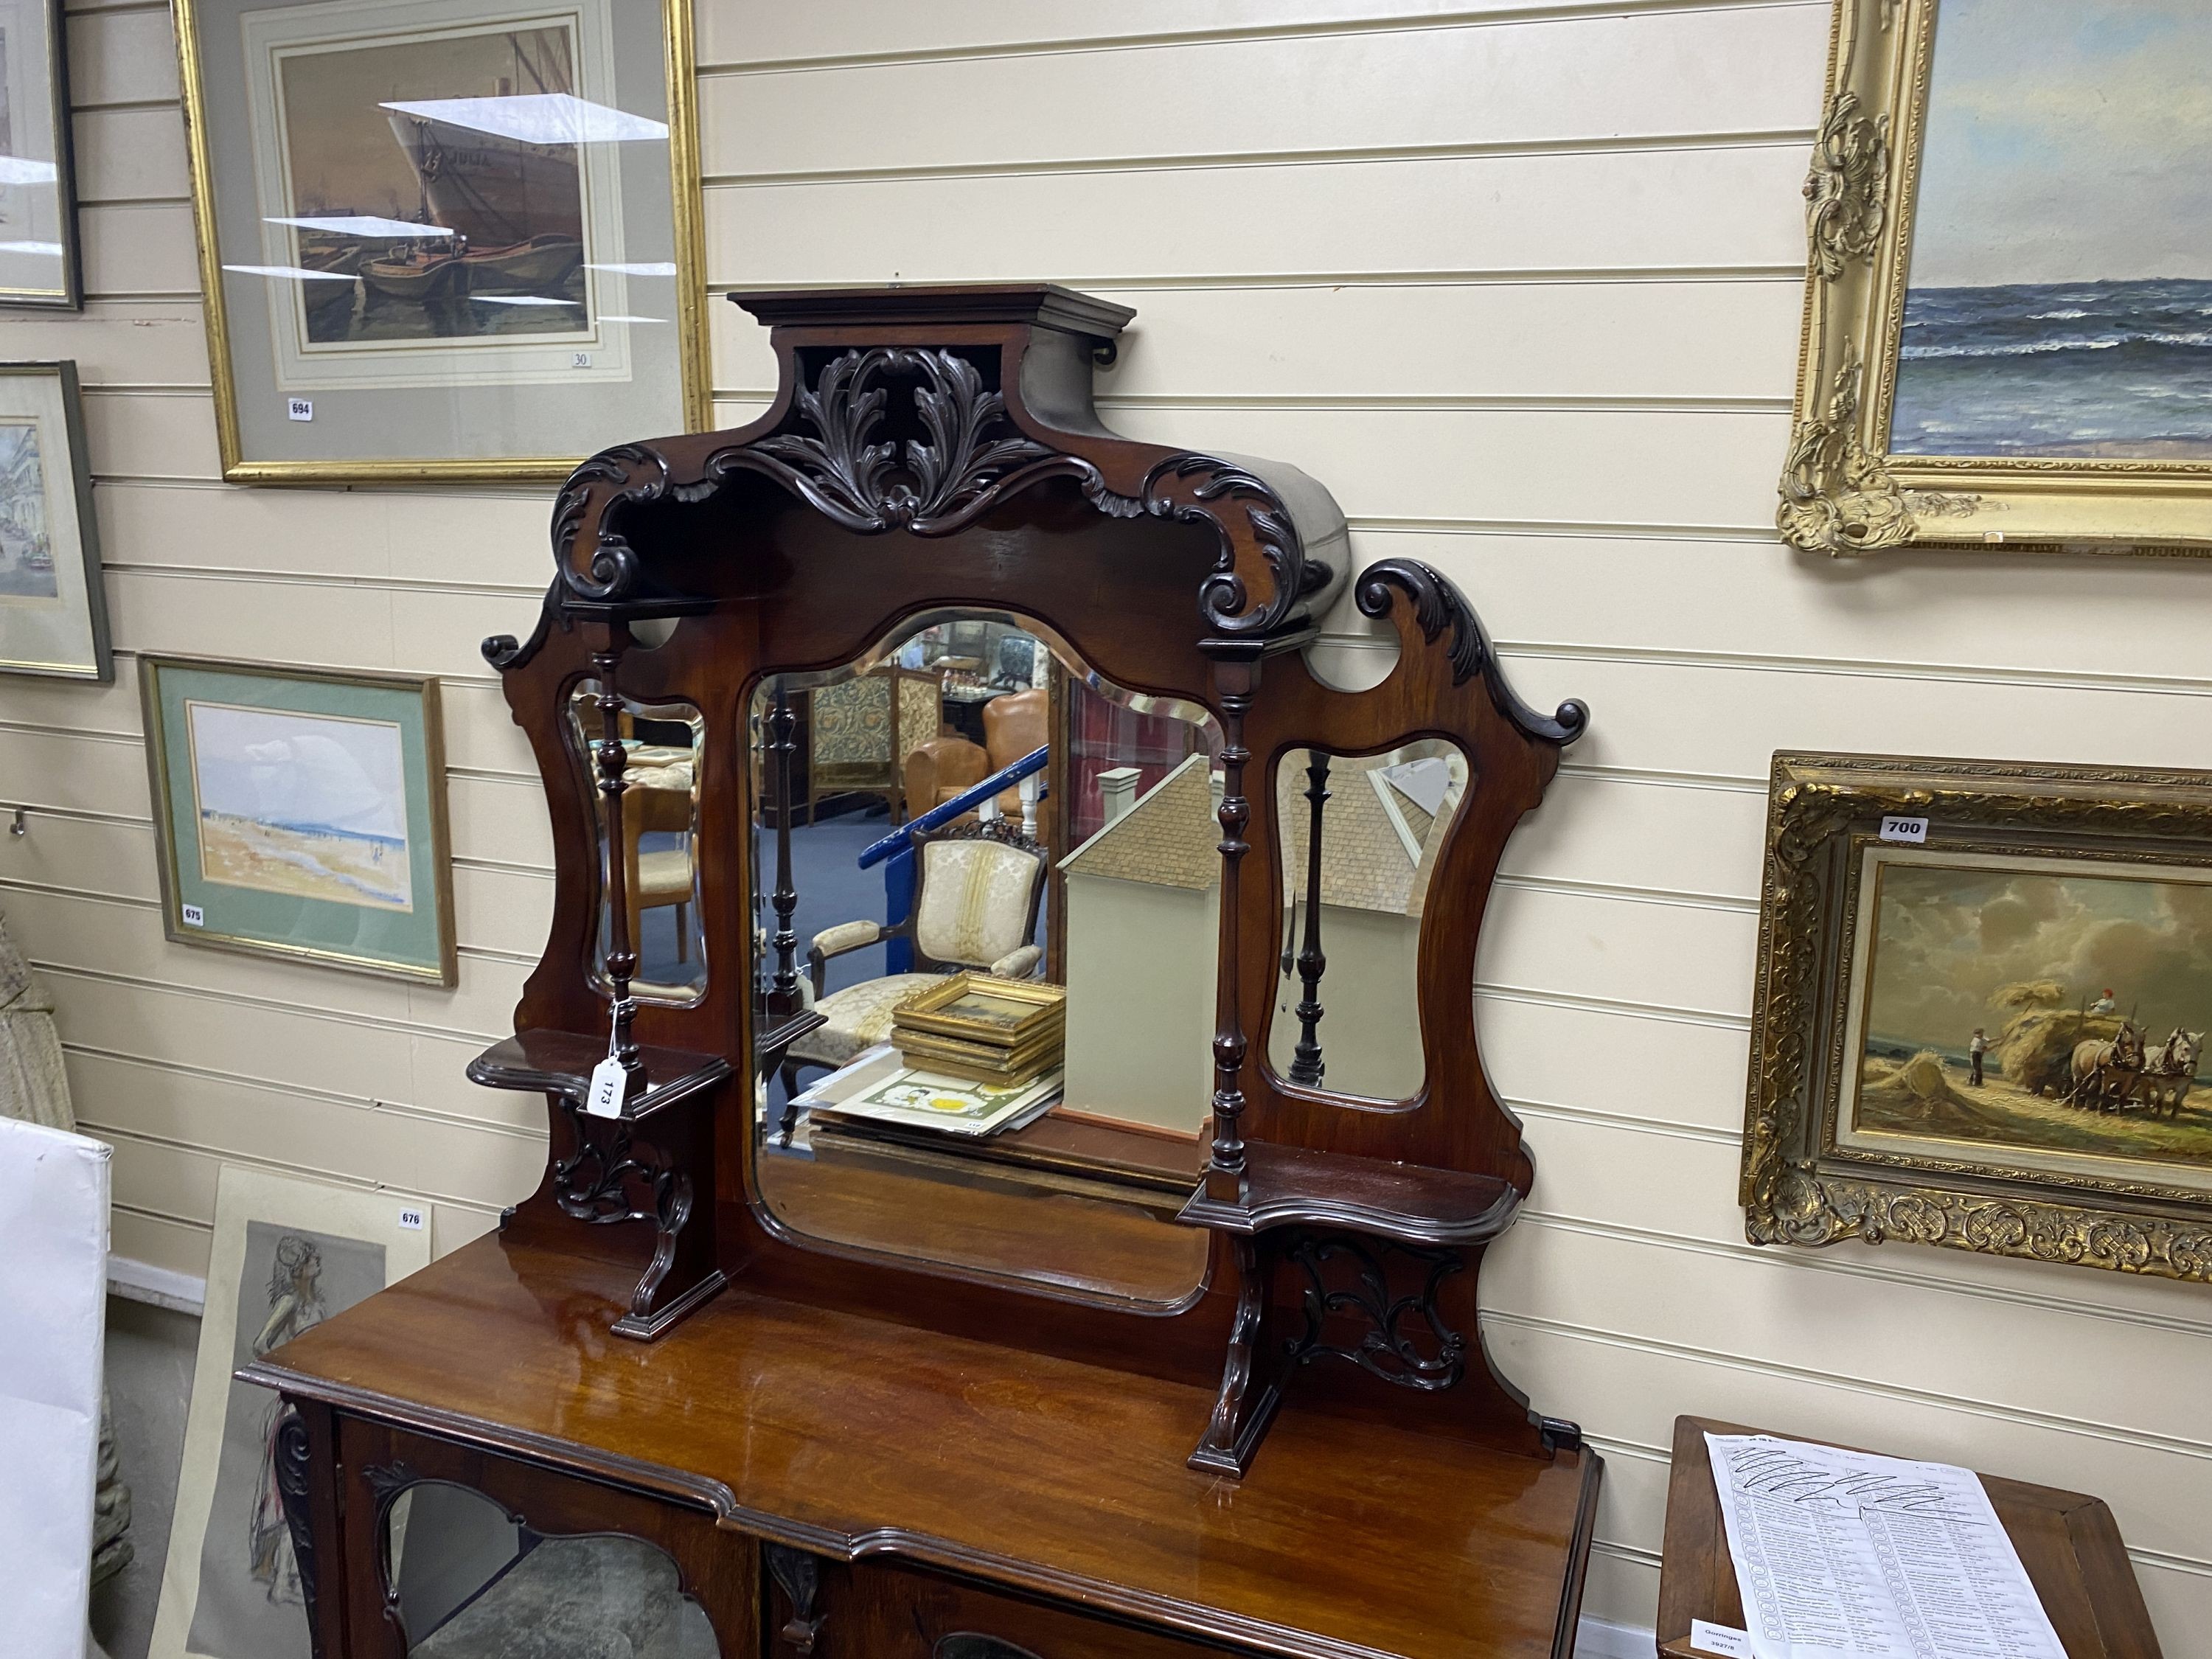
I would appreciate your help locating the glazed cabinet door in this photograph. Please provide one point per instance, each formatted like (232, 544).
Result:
(821, 1609)
(451, 1553)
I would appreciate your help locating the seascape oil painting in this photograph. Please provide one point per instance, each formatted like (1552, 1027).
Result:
(303, 805)
(2042, 1012)
(2059, 297)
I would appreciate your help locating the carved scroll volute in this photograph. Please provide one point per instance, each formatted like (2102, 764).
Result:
(1261, 574)
(1447, 684)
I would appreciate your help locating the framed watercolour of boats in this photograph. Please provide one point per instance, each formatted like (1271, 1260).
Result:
(301, 814)
(2008, 297)
(444, 239)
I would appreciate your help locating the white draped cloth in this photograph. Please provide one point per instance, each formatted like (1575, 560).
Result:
(34, 1088)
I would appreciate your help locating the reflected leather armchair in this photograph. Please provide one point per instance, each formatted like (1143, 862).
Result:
(976, 896)
(940, 769)
(1014, 725)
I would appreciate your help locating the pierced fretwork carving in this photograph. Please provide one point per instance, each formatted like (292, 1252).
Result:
(1395, 1347)
(295, 1455)
(799, 1574)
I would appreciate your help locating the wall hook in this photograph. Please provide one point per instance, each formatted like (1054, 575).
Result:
(21, 826)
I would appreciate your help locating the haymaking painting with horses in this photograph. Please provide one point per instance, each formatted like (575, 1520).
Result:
(2050, 1012)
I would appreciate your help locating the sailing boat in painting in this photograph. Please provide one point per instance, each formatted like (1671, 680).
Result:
(443, 173)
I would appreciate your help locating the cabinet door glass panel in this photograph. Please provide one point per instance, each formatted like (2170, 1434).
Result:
(987, 892)
(663, 748)
(473, 1582)
(1347, 1014)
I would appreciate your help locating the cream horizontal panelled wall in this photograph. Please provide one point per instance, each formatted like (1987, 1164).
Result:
(184, 1058)
(1520, 283)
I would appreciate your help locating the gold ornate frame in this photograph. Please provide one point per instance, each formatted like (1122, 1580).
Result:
(1799, 1185)
(683, 168)
(1842, 491)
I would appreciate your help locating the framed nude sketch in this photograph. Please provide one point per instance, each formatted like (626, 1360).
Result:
(444, 239)
(287, 1254)
(2008, 307)
(1982, 1009)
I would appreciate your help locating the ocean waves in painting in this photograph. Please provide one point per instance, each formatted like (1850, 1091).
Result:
(2113, 370)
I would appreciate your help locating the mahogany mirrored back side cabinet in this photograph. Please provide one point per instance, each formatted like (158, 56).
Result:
(1019, 1158)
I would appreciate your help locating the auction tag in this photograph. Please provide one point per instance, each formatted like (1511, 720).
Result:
(605, 1099)
(1723, 1640)
(194, 916)
(411, 1219)
(299, 409)
(1912, 829)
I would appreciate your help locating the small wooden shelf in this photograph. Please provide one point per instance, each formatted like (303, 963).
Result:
(1409, 1203)
(560, 1063)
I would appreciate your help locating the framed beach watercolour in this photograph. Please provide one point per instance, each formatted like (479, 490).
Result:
(2008, 301)
(444, 239)
(38, 193)
(1981, 1012)
(301, 813)
(53, 616)
(287, 1254)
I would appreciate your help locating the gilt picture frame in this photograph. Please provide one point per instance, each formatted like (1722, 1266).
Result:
(2007, 325)
(1980, 1012)
(444, 239)
(301, 813)
(53, 605)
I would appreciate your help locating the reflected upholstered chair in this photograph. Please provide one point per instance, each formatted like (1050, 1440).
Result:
(1014, 725)
(976, 896)
(659, 801)
(940, 769)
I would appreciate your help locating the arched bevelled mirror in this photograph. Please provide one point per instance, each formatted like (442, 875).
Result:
(465, 1579)
(1360, 837)
(994, 876)
(663, 748)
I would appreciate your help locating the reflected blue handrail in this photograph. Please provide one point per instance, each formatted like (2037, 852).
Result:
(902, 838)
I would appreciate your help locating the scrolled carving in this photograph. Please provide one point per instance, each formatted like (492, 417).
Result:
(1390, 1348)
(1836, 497)
(1195, 489)
(1438, 607)
(799, 1574)
(1846, 191)
(934, 485)
(611, 573)
(592, 1184)
(294, 1458)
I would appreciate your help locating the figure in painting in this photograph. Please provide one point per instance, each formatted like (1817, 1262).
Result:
(296, 1304)
(1975, 1050)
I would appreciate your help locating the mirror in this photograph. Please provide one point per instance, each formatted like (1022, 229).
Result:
(987, 894)
(472, 1582)
(1360, 838)
(664, 747)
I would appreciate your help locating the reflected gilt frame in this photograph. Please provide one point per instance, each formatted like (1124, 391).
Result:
(1842, 491)
(1800, 1184)
(680, 72)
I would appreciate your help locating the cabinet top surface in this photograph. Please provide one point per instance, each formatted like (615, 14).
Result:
(850, 1436)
